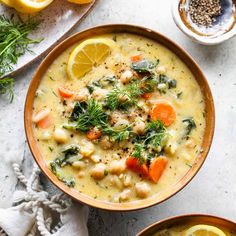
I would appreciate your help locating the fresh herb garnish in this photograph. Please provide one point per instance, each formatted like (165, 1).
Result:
(156, 135)
(138, 152)
(190, 125)
(120, 99)
(6, 87)
(117, 135)
(14, 41)
(87, 115)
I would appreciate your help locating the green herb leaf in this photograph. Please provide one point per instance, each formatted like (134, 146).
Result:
(6, 87)
(14, 41)
(87, 115)
(138, 152)
(117, 135)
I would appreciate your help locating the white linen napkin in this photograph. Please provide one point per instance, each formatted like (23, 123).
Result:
(34, 210)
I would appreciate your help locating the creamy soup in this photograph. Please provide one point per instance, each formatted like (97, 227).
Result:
(182, 230)
(127, 129)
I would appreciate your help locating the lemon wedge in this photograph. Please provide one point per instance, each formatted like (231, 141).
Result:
(8, 3)
(80, 1)
(30, 6)
(204, 230)
(87, 55)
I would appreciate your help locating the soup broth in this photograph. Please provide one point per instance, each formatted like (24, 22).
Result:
(126, 130)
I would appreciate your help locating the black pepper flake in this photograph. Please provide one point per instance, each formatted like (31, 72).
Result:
(204, 12)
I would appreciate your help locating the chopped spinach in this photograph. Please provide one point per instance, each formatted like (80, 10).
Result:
(152, 141)
(101, 83)
(190, 125)
(56, 171)
(70, 155)
(170, 83)
(143, 66)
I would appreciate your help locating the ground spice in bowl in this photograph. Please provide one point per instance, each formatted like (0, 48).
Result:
(204, 12)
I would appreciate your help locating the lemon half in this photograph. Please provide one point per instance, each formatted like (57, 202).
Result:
(204, 230)
(87, 55)
(30, 6)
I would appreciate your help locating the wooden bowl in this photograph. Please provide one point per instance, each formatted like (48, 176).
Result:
(189, 219)
(210, 115)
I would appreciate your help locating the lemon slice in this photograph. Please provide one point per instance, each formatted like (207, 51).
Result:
(88, 55)
(80, 1)
(204, 230)
(30, 6)
(8, 3)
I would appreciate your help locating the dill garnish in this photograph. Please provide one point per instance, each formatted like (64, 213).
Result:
(87, 115)
(138, 152)
(6, 87)
(117, 135)
(14, 41)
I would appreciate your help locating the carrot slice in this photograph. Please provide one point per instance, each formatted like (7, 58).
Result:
(164, 112)
(45, 122)
(94, 134)
(146, 95)
(134, 165)
(136, 58)
(65, 92)
(157, 168)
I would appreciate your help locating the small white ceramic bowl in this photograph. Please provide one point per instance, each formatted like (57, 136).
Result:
(223, 28)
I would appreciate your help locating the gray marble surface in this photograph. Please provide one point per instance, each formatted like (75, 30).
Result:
(212, 191)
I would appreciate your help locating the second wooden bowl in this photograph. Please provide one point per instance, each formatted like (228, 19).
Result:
(189, 220)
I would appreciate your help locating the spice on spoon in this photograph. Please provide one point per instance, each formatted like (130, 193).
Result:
(204, 12)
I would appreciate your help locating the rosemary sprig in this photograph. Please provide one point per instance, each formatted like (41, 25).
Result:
(14, 41)
(6, 87)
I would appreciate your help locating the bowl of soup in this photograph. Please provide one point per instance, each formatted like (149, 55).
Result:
(119, 117)
(191, 225)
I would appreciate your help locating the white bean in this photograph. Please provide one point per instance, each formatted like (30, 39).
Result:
(98, 171)
(87, 149)
(95, 158)
(171, 148)
(46, 135)
(142, 189)
(41, 115)
(161, 70)
(126, 76)
(139, 127)
(125, 195)
(60, 135)
(82, 95)
(127, 180)
(78, 164)
(99, 94)
(117, 167)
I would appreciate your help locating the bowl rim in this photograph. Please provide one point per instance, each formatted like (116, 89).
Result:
(194, 36)
(146, 231)
(159, 38)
